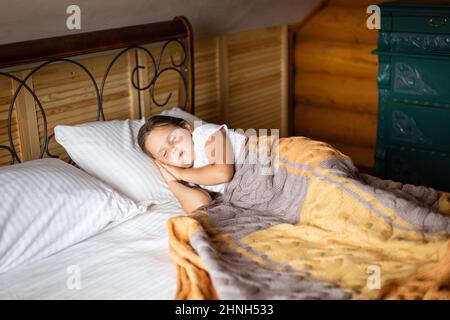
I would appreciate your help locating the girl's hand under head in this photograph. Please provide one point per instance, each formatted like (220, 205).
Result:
(173, 170)
(167, 176)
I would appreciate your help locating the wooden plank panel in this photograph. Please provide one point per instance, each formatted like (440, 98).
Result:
(135, 112)
(207, 105)
(350, 94)
(284, 83)
(223, 81)
(255, 72)
(254, 40)
(336, 125)
(5, 99)
(252, 119)
(263, 56)
(26, 119)
(258, 100)
(143, 79)
(254, 79)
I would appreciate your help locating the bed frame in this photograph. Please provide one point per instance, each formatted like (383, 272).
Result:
(63, 50)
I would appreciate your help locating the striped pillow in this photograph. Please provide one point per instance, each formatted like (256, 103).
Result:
(47, 205)
(109, 151)
(180, 113)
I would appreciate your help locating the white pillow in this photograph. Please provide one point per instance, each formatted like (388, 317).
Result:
(109, 151)
(47, 205)
(180, 113)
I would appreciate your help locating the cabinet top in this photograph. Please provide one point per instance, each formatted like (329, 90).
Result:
(435, 7)
(415, 18)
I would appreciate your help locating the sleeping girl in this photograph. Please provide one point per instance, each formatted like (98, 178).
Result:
(191, 161)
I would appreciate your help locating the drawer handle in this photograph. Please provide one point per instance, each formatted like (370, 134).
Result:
(433, 24)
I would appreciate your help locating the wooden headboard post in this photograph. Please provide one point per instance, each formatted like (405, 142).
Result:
(190, 62)
(61, 49)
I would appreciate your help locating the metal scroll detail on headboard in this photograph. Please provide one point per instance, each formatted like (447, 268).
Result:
(184, 69)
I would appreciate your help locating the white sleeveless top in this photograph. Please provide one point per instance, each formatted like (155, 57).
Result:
(199, 137)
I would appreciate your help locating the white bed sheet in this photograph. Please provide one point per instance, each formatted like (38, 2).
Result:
(128, 261)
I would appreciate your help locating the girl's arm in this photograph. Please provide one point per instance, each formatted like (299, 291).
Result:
(189, 198)
(210, 174)
(220, 156)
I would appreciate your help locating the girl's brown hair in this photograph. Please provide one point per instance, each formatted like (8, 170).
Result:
(155, 122)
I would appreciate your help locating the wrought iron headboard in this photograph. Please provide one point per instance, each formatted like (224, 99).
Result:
(60, 49)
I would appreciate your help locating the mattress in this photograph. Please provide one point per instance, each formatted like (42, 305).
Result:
(126, 261)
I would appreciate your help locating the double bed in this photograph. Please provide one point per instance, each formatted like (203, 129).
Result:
(128, 260)
(303, 223)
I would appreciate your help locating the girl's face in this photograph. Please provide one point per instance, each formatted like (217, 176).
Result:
(171, 145)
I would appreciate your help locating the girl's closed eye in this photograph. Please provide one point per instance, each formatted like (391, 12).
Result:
(174, 138)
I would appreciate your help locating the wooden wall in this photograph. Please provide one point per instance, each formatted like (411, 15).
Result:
(335, 79)
(252, 79)
(240, 80)
(5, 98)
(336, 97)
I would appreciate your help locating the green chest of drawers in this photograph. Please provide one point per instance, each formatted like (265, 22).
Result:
(413, 135)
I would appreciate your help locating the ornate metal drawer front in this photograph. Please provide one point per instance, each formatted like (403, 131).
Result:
(418, 166)
(416, 126)
(423, 81)
(420, 43)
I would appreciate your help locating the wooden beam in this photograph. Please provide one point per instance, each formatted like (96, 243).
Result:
(223, 78)
(336, 58)
(26, 119)
(89, 42)
(144, 80)
(135, 111)
(284, 127)
(338, 92)
(190, 62)
(330, 124)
